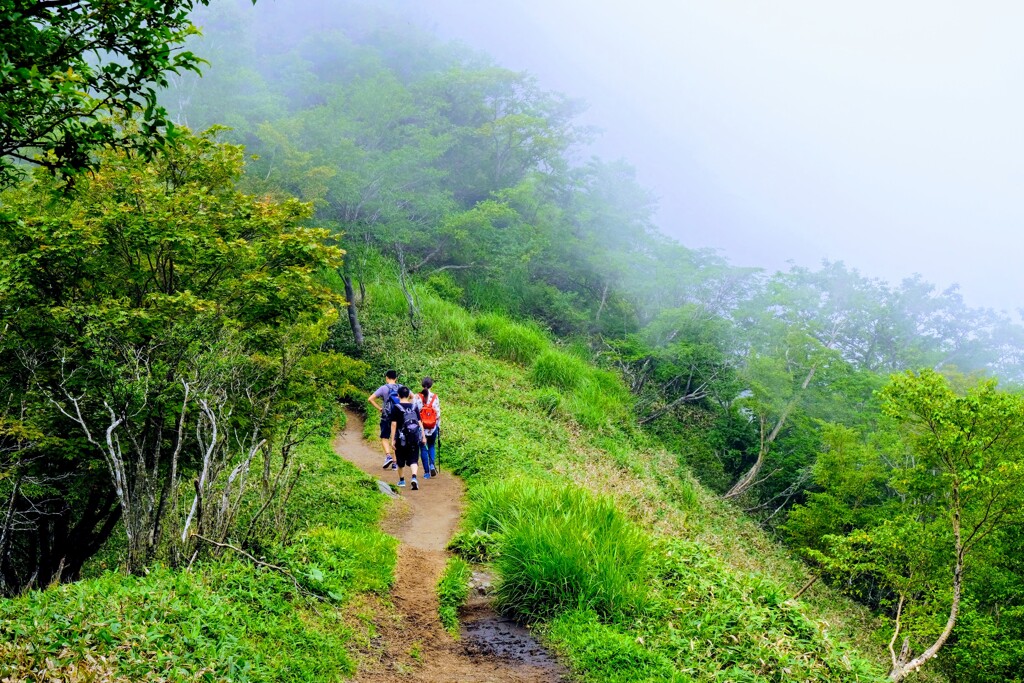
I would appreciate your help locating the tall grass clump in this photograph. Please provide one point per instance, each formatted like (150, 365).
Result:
(452, 591)
(511, 341)
(600, 400)
(448, 326)
(387, 300)
(562, 548)
(559, 369)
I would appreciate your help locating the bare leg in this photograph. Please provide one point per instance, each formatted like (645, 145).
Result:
(386, 445)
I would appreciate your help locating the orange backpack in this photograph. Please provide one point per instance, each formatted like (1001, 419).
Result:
(428, 413)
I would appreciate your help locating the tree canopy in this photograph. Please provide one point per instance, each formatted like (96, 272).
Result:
(72, 70)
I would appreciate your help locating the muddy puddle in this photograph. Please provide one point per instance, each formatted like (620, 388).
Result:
(488, 634)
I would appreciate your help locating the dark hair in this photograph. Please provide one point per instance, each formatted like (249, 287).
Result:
(426, 383)
(391, 374)
(403, 392)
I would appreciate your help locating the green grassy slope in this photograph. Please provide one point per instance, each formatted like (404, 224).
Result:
(226, 619)
(601, 537)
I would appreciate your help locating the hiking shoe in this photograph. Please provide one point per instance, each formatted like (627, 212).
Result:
(394, 466)
(415, 484)
(433, 471)
(401, 482)
(426, 474)
(389, 462)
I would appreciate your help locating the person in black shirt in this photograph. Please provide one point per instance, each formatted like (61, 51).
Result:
(407, 431)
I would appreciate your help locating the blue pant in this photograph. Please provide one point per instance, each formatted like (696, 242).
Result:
(428, 452)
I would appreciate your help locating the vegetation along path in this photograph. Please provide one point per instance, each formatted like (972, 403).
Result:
(415, 646)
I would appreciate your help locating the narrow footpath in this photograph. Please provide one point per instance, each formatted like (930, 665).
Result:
(414, 646)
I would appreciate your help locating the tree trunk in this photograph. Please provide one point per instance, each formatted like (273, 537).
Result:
(901, 669)
(353, 313)
(402, 280)
(600, 309)
(749, 478)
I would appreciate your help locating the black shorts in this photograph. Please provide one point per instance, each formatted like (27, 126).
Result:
(385, 429)
(406, 457)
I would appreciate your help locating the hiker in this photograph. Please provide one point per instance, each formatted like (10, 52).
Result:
(429, 406)
(388, 395)
(408, 435)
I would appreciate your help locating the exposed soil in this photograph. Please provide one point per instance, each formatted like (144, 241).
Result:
(412, 645)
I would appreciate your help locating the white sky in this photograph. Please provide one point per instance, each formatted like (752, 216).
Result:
(884, 134)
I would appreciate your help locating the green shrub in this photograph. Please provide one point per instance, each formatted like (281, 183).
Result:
(558, 369)
(444, 286)
(562, 548)
(452, 591)
(600, 401)
(337, 562)
(225, 620)
(476, 545)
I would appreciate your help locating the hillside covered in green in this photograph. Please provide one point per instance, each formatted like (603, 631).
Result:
(678, 469)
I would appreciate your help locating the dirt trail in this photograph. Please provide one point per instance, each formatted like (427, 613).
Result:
(491, 649)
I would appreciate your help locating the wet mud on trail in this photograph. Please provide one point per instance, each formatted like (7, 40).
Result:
(413, 646)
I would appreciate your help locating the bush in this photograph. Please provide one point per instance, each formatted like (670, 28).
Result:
(548, 400)
(444, 286)
(387, 300)
(475, 546)
(225, 620)
(562, 548)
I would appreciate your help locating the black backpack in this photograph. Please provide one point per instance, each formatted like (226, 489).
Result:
(409, 433)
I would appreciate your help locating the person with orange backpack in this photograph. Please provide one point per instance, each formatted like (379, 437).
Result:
(429, 406)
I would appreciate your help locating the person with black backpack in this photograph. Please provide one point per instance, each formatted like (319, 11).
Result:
(430, 417)
(408, 431)
(388, 395)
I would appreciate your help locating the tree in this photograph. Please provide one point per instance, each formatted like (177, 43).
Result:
(159, 324)
(69, 68)
(936, 493)
(971, 451)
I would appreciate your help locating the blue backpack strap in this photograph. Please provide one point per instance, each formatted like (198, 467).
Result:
(392, 397)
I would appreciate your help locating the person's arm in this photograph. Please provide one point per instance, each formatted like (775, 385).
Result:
(394, 425)
(372, 398)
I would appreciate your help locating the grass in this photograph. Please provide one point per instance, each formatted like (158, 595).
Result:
(449, 326)
(559, 369)
(561, 548)
(511, 341)
(452, 591)
(654, 578)
(227, 619)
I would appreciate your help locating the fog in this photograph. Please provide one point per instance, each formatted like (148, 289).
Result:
(887, 136)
